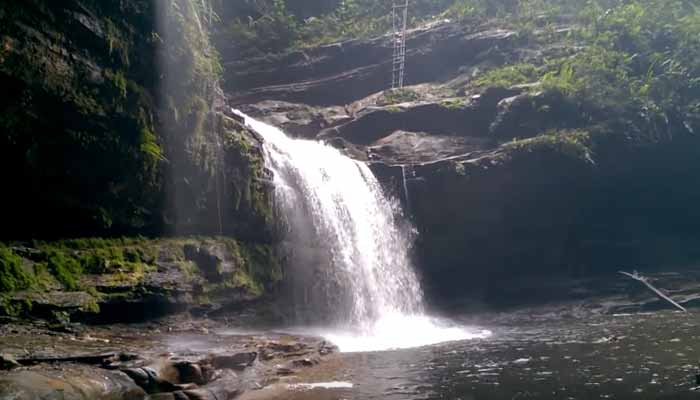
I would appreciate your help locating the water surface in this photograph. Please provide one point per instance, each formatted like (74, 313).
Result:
(627, 356)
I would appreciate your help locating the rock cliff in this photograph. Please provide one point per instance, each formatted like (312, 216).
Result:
(504, 181)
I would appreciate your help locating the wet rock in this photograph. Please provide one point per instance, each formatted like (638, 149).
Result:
(69, 382)
(459, 117)
(56, 306)
(8, 362)
(304, 362)
(168, 396)
(226, 386)
(210, 394)
(123, 361)
(214, 260)
(237, 361)
(190, 373)
(325, 348)
(527, 115)
(297, 119)
(208, 259)
(155, 379)
(402, 147)
(91, 359)
(283, 370)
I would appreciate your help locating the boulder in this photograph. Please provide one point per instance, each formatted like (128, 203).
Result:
(69, 382)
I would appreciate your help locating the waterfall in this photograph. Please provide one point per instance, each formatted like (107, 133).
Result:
(350, 247)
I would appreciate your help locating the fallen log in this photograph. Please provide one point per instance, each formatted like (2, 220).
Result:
(635, 275)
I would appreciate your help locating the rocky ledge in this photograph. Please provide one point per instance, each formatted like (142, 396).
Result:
(132, 279)
(175, 358)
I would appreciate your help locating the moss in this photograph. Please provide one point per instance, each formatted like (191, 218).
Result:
(12, 275)
(242, 280)
(509, 75)
(454, 104)
(119, 82)
(574, 144)
(66, 269)
(91, 305)
(117, 41)
(149, 147)
(189, 268)
(397, 96)
(45, 281)
(125, 262)
(67, 260)
(261, 263)
(14, 307)
(249, 193)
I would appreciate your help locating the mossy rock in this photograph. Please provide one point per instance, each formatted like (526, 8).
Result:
(13, 276)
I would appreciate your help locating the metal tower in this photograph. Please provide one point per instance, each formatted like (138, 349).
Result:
(399, 16)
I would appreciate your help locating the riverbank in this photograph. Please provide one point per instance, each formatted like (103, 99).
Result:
(615, 339)
(549, 351)
(177, 357)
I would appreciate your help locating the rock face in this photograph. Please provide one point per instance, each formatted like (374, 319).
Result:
(80, 95)
(501, 182)
(114, 125)
(111, 126)
(344, 72)
(140, 280)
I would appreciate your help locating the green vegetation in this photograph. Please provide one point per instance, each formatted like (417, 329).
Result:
(14, 308)
(397, 96)
(509, 75)
(123, 265)
(66, 269)
(194, 70)
(621, 54)
(271, 26)
(126, 259)
(633, 64)
(574, 144)
(261, 265)
(249, 198)
(12, 275)
(454, 104)
(100, 114)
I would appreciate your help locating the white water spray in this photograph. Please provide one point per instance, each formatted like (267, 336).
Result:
(351, 257)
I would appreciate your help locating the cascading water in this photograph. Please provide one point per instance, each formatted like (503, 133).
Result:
(349, 264)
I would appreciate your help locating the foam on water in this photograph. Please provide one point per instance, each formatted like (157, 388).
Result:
(393, 332)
